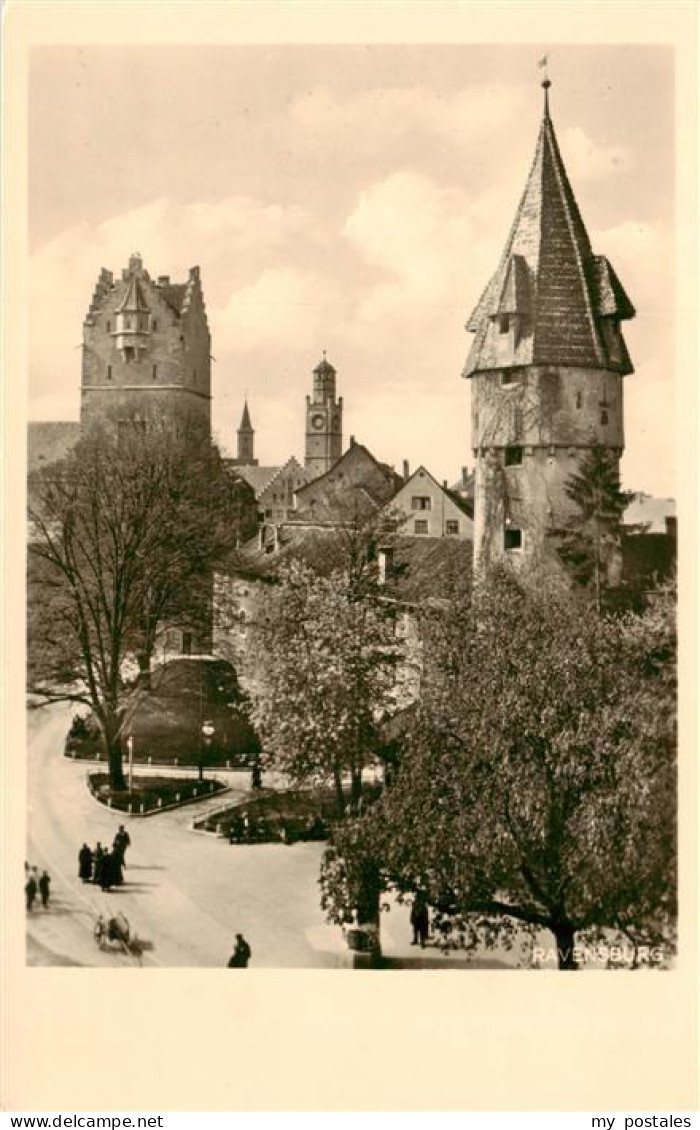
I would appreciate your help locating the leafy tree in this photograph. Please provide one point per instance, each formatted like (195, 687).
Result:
(124, 536)
(590, 546)
(326, 655)
(537, 790)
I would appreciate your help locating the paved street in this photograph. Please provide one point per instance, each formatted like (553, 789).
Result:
(186, 893)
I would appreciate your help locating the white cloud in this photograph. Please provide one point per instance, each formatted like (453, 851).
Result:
(586, 159)
(281, 309)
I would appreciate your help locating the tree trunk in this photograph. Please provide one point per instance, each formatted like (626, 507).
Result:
(355, 790)
(144, 661)
(339, 795)
(116, 767)
(565, 936)
(115, 759)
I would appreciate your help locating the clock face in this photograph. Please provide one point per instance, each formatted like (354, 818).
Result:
(317, 421)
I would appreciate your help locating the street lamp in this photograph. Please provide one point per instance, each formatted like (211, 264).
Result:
(130, 747)
(207, 735)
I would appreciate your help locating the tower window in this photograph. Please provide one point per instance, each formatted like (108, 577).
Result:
(420, 526)
(579, 400)
(514, 456)
(512, 538)
(603, 416)
(155, 372)
(503, 323)
(155, 325)
(420, 502)
(109, 325)
(109, 372)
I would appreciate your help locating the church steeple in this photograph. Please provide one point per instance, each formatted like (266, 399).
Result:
(246, 439)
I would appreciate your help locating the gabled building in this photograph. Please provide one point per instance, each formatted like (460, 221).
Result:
(274, 487)
(546, 365)
(357, 485)
(146, 349)
(423, 508)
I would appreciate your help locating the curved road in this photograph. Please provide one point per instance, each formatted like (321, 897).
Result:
(185, 893)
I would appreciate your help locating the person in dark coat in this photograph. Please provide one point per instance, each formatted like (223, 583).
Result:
(107, 871)
(85, 864)
(420, 920)
(241, 955)
(45, 888)
(30, 890)
(121, 842)
(116, 862)
(98, 861)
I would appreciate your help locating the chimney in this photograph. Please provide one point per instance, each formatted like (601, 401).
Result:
(163, 280)
(444, 484)
(671, 525)
(465, 476)
(406, 473)
(352, 441)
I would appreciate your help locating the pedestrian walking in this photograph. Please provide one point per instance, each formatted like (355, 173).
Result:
(45, 888)
(420, 920)
(98, 864)
(30, 890)
(107, 871)
(241, 955)
(121, 842)
(85, 864)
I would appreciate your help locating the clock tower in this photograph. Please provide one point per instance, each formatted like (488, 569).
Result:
(324, 422)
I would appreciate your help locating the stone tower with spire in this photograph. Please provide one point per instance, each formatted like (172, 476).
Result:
(546, 366)
(245, 456)
(146, 349)
(324, 422)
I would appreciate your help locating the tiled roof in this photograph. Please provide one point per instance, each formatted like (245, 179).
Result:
(48, 441)
(649, 512)
(174, 295)
(550, 280)
(258, 477)
(425, 568)
(133, 300)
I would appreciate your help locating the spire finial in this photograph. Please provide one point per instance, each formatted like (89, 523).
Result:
(546, 83)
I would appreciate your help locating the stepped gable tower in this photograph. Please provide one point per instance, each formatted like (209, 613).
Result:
(546, 366)
(245, 452)
(324, 422)
(146, 349)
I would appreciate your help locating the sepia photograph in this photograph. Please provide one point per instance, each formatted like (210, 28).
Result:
(351, 485)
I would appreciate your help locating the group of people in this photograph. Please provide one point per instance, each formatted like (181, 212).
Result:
(103, 866)
(36, 884)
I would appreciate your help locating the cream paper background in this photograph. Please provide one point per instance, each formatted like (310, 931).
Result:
(179, 1040)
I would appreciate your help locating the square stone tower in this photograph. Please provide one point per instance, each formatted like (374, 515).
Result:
(146, 350)
(546, 366)
(324, 422)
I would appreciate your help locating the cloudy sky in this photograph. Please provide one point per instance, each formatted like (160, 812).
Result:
(353, 199)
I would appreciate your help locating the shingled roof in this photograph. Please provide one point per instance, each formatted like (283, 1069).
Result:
(562, 303)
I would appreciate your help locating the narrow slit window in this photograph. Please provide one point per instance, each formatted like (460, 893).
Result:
(512, 538)
(155, 372)
(514, 456)
(109, 372)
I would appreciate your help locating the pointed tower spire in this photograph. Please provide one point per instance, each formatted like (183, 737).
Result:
(246, 440)
(563, 303)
